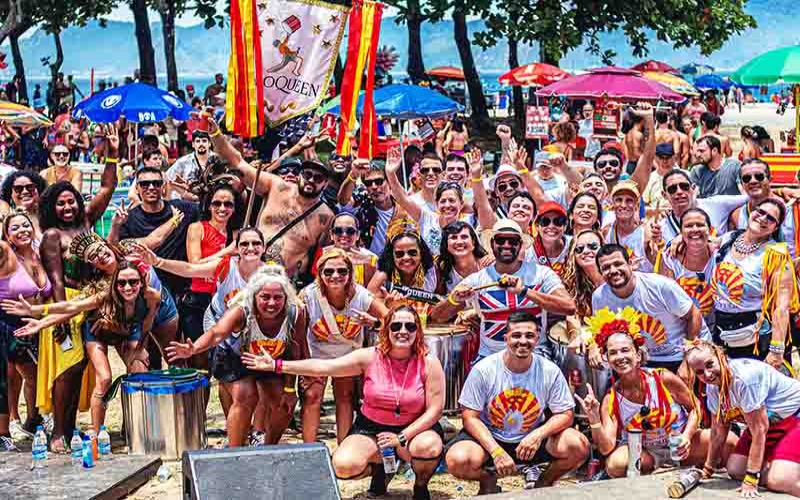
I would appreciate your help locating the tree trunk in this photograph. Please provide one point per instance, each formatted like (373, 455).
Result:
(19, 64)
(167, 11)
(55, 67)
(416, 66)
(480, 115)
(12, 20)
(518, 98)
(144, 40)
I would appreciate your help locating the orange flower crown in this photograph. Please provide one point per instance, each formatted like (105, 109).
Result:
(605, 323)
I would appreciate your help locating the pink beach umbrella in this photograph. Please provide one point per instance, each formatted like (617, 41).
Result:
(611, 83)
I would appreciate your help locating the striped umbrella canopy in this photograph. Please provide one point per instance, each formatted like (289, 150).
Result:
(17, 115)
(533, 75)
(674, 82)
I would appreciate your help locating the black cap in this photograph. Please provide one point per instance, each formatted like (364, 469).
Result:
(315, 165)
(665, 150)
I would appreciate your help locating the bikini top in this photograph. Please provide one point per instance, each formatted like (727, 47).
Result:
(21, 283)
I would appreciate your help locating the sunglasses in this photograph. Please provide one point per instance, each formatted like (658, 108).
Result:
(505, 186)
(608, 163)
(286, 171)
(507, 240)
(133, 282)
(218, 203)
(579, 249)
(559, 221)
(758, 177)
(763, 213)
(373, 182)
(673, 188)
(345, 231)
(399, 254)
(18, 189)
(151, 184)
(60, 154)
(248, 244)
(330, 271)
(430, 170)
(312, 176)
(396, 326)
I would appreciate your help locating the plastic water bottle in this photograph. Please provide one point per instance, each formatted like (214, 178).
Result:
(88, 456)
(104, 443)
(39, 450)
(76, 448)
(389, 460)
(675, 443)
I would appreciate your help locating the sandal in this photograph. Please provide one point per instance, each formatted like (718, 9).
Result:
(59, 450)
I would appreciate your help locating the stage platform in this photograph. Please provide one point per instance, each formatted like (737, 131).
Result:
(653, 487)
(60, 480)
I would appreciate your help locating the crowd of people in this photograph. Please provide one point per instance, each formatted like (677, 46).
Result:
(668, 262)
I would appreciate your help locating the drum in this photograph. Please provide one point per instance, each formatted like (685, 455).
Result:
(455, 347)
(164, 412)
(575, 367)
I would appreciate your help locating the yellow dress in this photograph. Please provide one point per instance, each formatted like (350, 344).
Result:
(53, 361)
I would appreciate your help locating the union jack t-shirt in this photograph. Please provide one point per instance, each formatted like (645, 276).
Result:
(495, 304)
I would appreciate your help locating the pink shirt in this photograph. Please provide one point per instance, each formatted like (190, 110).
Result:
(383, 383)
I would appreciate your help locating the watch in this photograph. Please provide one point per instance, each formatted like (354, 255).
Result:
(401, 438)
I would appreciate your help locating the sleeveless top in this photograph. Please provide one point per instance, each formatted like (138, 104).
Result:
(555, 263)
(696, 284)
(229, 281)
(663, 412)
(251, 339)
(213, 241)
(787, 228)
(323, 342)
(394, 390)
(737, 281)
(21, 283)
(634, 243)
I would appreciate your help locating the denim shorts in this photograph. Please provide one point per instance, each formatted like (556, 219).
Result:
(167, 311)
(108, 338)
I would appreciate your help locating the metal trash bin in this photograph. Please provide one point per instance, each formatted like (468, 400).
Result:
(164, 412)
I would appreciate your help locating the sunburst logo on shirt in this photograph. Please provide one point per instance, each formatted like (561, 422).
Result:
(729, 281)
(653, 328)
(699, 291)
(514, 410)
(273, 347)
(347, 328)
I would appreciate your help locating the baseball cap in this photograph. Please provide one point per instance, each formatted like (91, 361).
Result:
(502, 170)
(190, 87)
(506, 226)
(541, 158)
(315, 165)
(626, 186)
(550, 206)
(665, 149)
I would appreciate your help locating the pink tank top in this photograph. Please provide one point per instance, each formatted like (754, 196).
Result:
(385, 393)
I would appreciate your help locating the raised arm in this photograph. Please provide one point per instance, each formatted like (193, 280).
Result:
(358, 168)
(393, 163)
(644, 165)
(486, 216)
(108, 182)
(224, 149)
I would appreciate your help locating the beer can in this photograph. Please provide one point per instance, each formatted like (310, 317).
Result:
(685, 484)
(634, 453)
(592, 468)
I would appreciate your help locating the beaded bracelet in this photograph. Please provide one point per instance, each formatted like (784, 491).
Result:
(497, 452)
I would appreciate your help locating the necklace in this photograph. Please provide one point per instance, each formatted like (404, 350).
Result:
(745, 248)
(397, 393)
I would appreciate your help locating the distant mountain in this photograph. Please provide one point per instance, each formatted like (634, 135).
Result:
(111, 51)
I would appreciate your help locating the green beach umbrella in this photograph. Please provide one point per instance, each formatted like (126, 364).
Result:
(776, 66)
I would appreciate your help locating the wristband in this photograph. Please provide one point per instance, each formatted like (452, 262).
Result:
(278, 366)
(351, 178)
(596, 425)
(476, 179)
(776, 342)
(497, 452)
(750, 479)
(523, 171)
(401, 438)
(112, 160)
(218, 132)
(289, 390)
(777, 349)
(453, 301)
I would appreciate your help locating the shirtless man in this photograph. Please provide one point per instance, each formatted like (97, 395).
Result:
(284, 202)
(684, 153)
(664, 132)
(632, 143)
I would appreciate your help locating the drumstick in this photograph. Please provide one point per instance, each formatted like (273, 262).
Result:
(488, 285)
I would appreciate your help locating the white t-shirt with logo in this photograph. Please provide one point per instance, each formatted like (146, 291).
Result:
(663, 304)
(512, 404)
(495, 304)
(757, 384)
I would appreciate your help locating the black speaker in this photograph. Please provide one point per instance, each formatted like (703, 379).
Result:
(268, 472)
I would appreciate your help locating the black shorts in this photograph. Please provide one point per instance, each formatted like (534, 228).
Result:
(226, 366)
(363, 426)
(192, 308)
(541, 456)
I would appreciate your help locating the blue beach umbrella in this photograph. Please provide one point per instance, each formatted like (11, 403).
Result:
(137, 102)
(408, 102)
(712, 81)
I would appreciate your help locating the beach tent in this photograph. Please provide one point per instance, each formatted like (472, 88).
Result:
(408, 102)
